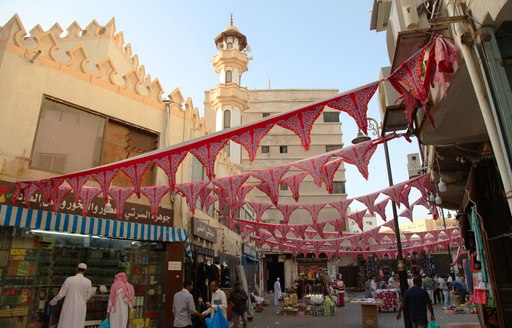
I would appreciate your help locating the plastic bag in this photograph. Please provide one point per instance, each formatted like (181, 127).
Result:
(105, 323)
(433, 324)
(218, 320)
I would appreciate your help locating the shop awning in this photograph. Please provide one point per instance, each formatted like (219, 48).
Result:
(19, 217)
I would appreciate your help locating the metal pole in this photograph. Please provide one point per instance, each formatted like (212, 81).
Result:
(402, 269)
(374, 126)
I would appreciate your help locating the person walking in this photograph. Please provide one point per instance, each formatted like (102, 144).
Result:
(438, 293)
(77, 291)
(428, 285)
(120, 301)
(183, 306)
(238, 299)
(443, 285)
(219, 301)
(277, 292)
(417, 300)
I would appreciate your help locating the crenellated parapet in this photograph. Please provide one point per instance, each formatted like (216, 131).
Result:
(86, 53)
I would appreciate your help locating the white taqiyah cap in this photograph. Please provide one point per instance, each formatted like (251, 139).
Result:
(82, 266)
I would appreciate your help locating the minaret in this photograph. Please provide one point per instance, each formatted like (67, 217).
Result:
(228, 99)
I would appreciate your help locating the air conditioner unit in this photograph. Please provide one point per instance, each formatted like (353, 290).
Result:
(390, 102)
(410, 14)
(380, 15)
(413, 165)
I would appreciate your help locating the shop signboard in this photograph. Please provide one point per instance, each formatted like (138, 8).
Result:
(133, 212)
(204, 231)
(251, 251)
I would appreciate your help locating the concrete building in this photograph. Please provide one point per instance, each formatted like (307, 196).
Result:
(79, 101)
(230, 104)
(469, 147)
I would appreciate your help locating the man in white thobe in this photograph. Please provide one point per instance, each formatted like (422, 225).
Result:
(219, 301)
(277, 292)
(77, 290)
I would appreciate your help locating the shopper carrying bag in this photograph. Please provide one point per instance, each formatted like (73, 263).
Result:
(218, 321)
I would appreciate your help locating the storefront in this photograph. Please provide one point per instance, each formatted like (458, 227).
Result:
(39, 249)
(311, 270)
(251, 265)
(202, 268)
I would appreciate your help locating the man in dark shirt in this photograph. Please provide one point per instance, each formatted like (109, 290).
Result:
(238, 299)
(417, 300)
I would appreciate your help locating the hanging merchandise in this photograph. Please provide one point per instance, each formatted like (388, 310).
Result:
(429, 268)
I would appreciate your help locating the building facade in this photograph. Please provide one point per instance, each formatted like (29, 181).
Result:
(230, 104)
(74, 102)
(471, 157)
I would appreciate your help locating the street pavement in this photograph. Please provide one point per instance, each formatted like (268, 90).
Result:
(347, 316)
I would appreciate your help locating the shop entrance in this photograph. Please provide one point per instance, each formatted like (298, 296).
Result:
(275, 269)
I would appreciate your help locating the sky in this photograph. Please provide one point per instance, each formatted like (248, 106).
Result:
(295, 44)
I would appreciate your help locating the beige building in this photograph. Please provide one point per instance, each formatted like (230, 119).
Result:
(230, 104)
(78, 99)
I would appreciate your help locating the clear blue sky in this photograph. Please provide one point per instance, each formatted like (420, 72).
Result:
(299, 44)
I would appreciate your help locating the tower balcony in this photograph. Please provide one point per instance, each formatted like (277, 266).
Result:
(230, 58)
(229, 94)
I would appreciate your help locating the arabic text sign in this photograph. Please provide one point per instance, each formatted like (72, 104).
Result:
(204, 231)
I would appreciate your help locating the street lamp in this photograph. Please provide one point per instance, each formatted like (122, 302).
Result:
(374, 126)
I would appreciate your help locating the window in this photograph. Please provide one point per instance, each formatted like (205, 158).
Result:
(67, 139)
(230, 45)
(197, 171)
(283, 186)
(229, 77)
(265, 149)
(283, 149)
(70, 139)
(338, 187)
(331, 117)
(329, 148)
(265, 115)
(227, 119)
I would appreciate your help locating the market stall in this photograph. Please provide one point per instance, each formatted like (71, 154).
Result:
(389, 298)
(310, 305)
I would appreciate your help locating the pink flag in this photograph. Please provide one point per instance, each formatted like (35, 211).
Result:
(302, 123)
(356, 104)
(76, 184)
(359, 155)
(86, 196)
(191, 192)
(104, 178)
(294, 181)
(251, 139)
(207, 153)
(314, 209)
(314, 166)
(342, 207)
(135, 173)
(368, 201)
(170, 165)
(120, 196)
(328, 172)
(271, 179)
(60, 194)
(154, 194)
(287, 210)
(358, 218)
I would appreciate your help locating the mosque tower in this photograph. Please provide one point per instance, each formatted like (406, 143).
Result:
(229, 99)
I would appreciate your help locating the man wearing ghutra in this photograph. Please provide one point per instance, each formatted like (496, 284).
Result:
(120, 301)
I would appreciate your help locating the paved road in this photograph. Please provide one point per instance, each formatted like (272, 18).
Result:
(348, 316)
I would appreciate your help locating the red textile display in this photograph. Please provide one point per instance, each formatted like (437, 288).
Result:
(287, 210)
(154, 196)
